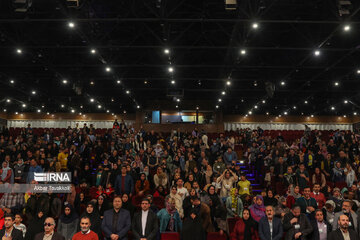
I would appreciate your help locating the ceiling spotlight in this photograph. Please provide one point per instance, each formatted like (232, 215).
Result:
(118, 81)
(217, 106)
(355, 113)
(306, 102)
(15, 113)
(246, 115)
(172, 82)
(255, 25)
(285, 113)
(99, 106)
(65, 81)
(223, 92)
(279, 115)
(317, 53)
(8, 100)
(312, 115)
(177, 106)
(92, 83)
(42, 106)
(71, 24)
(282, 83)
(80, 113)
(294, 107)
(336, 84)
(219, 99)
(72, 110)
(170, 69)
(255, 106)
(243, 52)
(62, 105)
(93, 51)
(81, 106)
(33, 92)
(228, 83)
(112, 114)
(12, 81)
(347, 28)
(255, 83)
(332, 108)
(39, 110)
(137, 106)
(127, 92)
(112, 99)
(4, 110)
(47, 113)
(18, 51)
(344, 116)
(358, 71)
(345, 101)
(178, 100)
(267, 113)
(263, 101)
(92, 100)
(250, 112)
(24, 105)
(108, 69)
(107, 111)
(166, 51)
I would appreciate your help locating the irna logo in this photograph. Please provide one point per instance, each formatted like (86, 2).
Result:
(53, 177)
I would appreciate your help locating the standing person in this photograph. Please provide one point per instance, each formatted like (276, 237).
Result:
(307, 203)
(270, 227)
(321, 227)
(257, 210)
(169, 218)
(85, 232)
(234, 204)
(352, 216)
(296, 224)
(94, 216)
(192, 228)
(68, 222)
(124, 183)
(116, 222)
(19, 225)
(145, 223)
(9, 232)
(49, 233)
(343, 233)
(245, 228)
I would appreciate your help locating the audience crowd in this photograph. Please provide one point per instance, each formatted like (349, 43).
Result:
(134, 184)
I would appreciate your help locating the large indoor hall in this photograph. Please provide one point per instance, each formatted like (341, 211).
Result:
(179, 120)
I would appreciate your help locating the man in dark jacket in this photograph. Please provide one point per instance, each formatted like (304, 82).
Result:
(343, 232)
(49, 226)
(296, 224)
(267, 222)
(9, 232)
(145, 223)
(124, 183)
(116, 222)
(321, 228)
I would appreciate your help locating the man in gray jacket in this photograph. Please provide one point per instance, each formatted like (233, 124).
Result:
(296, 225)
(346, 210)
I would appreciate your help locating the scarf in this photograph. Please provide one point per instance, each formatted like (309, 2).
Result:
(318, 178)
(250, 223)
(234, 199)
(4, 172)
(295, 195)
(142, 182)
(214, 197)
(69, 218)
(258, 210)
(171, 211)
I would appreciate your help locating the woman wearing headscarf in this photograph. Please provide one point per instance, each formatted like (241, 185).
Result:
(127, 204)
(160, 192)
(68, 222)
(234, 204)
(94, 217)
(292, 196)
(102, 205)
(5, 173)
(270, 199)
(71, 197)
(142, 186)
(36, 225)
(245, 228)
(187, 205)
(281, 209)
(192, 227)
(169, 217)
(257, 210)
(160, 178)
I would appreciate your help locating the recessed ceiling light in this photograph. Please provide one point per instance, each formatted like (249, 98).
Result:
(33, 92)
(93, 51)
(137, 106)
(255, 83)
(166, 51)
(80, 113)
(228, 83)
(72, 110)
(243, 52)
(344, 116)
(217, 106)
(358, 71)
(16, 113)
(108, 69)
(99, 106)
(62, 105)
(285, 113)
(118, 81)
(294, 107)
(317, 53)
(112, 99)
(282, 83)
(92, 83)
(312, 115)
(255, 106)
(219, 99)
(255, 25)
(92, 100)
(306, 102)
(47, 113)
(345, 101)
(8, 100)
(107, 111)
(355, 113)
(71, 24)
(347, 28)
(178, 100)
(65, 81)
(42, 106)
(4, 109)
(18, 51)
(12, 81)
(250, 112)
(172, 81)
(267, 113)
(171, 69)
(332, 108)
(39, 110)
(24, 105)
(336, 84)
(263, 101)
(223, 92)
(127, 92)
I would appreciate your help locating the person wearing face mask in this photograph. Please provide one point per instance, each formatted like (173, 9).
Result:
(346, 210)
(343, 232)
(296, 224)
(85, 232)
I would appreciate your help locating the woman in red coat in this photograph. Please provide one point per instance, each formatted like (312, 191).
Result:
(245, 228)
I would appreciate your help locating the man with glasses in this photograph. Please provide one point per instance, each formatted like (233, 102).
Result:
(9, 232)
(85, 233)
(49, 234)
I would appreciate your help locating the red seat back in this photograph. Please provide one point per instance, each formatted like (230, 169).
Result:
(170, 236)
(216, 236)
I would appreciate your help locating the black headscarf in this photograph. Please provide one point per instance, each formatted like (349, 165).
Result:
(69, 218)
(94, 218)
(250, 223)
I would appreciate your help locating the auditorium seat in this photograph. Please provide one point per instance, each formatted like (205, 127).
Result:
(170, 236)
(215, 236)
(159, 202)
(231, 223)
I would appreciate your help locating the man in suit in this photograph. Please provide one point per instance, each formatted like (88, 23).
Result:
(49, 226)
(9, 232)
(270, 227)
(116, 222)
(296, 224)
(343, 232)
(145, 223)
(321, 227)
(346, 210)
(124, 183)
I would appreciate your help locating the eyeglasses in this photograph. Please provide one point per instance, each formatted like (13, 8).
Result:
(48, 224)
